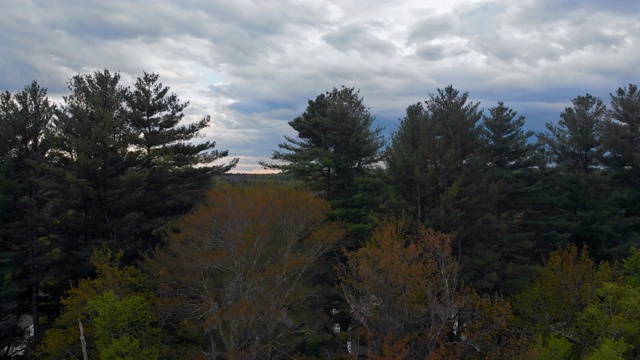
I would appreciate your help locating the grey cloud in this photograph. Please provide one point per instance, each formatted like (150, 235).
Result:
(431, 52)
(253, 65)
(431, 28)
(358, 37)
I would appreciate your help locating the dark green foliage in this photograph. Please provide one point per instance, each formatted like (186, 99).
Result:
(127, 162)
(116, 167)
(509, 162)
(408, 162)
(109, 167)
(97, 190)
(24, 197)
(334, 154)
(437, 164)
(622, 155)
(432, 152)
(508, 146)
(574, 143)
(175, 172)
(584, 198)
(623, 130)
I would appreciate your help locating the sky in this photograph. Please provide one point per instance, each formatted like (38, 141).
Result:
(253, 65)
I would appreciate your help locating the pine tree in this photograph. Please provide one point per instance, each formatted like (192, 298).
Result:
(97, 192)
(25, 119)
(583, 201)
(336, 149)
(176, 172)
(510, 160)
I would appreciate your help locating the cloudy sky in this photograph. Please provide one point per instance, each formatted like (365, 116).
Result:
(252, 65)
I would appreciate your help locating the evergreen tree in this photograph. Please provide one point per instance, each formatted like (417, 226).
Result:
(97, 191)
(508, 146)
(622, 159)
(582, 199)
(510, 160)
(574, 142)
(408, 161)
(335, 152)
(436, 156)
(25, 123)
(176, 172)
(623, 130)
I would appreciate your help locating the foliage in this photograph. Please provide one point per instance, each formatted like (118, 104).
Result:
(575, 142)
(563, 289)
(115, 309)
(241, 269)
(404, 293)
(334, 153)
(25, 193)
(396, 290)
(124, 327)
(176, 172)
(249, 273)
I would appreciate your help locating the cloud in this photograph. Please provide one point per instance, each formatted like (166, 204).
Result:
(252, 65)
(357, 37)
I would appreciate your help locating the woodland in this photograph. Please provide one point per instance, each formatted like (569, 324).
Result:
(462, 236)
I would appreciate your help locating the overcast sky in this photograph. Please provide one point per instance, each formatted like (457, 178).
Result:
(252, 65)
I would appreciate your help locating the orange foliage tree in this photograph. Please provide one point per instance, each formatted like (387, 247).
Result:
(402, 291)
(240, 266)
(407, 302)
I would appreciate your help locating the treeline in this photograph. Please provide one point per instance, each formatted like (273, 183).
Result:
(110, 166)
(431, 244)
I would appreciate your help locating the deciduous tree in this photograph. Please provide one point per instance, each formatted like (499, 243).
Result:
(564, 288)
(402, 289)
(241, 269)
(116, 309)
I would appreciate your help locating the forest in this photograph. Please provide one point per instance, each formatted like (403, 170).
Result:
(462, 236)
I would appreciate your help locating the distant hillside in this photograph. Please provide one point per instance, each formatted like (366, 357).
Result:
(252, 179)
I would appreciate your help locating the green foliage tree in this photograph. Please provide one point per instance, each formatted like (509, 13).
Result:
(508, 145)
(125, 327)
(563, 289)
(116, 310)
(92, 146)
(241, 270)
(623, 129)
(125, 169)
(334, 153)
(574, 142)
(408, 161)
(622, 160)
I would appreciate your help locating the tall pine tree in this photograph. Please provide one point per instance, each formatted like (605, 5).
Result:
(335, 152)
(25, 120)
(176, 171)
